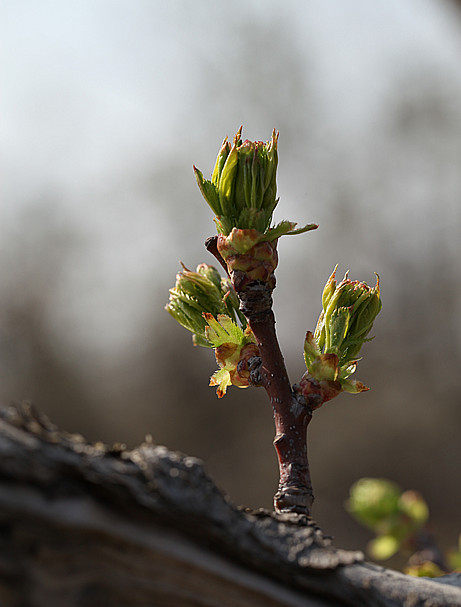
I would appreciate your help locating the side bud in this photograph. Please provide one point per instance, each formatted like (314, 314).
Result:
(236, 353)
(349, 310)
(195, 293)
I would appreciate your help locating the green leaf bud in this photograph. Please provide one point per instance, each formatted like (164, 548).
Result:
(242, 191)
(349, 311)
(196, 293)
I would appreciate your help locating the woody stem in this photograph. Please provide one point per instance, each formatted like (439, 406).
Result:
(291, 418)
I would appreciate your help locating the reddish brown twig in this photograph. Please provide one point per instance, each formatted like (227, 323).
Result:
(291, 418)
(291, 415)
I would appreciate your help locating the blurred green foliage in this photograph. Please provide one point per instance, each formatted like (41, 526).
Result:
(400, 521)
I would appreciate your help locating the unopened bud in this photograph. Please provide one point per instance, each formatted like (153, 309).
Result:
(242, 191)
(349, 310)
(195, 293)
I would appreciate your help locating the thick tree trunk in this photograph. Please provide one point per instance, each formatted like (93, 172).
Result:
(87, 525)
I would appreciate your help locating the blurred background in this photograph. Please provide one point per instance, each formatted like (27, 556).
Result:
(105, 107)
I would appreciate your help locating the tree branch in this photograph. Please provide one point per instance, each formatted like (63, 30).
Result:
(88, 525)
(291, 416)
(291, 419)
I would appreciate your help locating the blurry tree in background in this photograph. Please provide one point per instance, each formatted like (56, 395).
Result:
(86, 270)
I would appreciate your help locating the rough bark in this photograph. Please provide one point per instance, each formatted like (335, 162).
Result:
(89, 525)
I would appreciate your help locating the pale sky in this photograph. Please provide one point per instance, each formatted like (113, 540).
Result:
(96, 95)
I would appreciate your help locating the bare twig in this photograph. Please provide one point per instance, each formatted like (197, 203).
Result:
(291, 415)
(291, 419)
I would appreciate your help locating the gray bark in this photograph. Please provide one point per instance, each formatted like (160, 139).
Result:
(90, 525)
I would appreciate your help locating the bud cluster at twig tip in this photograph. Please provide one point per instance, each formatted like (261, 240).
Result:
(242, 191)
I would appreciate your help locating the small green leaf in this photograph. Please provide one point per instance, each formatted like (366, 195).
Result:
(353, 386)
(287, 228)
(222, 379)
(311, 349)
(222, 330)
(209, 192)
